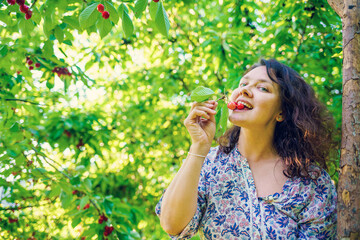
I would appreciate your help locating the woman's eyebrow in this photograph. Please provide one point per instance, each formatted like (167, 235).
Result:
(258, 80)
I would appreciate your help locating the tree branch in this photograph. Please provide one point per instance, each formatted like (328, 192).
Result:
(23, 100)
(45, 157)
(29, 206)
(33, 3)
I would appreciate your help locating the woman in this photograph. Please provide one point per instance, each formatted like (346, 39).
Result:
(267, 178)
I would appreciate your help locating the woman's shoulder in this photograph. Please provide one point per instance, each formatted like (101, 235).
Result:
(318, 183)
(318, 176)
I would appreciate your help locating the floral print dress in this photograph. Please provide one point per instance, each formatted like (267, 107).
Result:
(228, 206)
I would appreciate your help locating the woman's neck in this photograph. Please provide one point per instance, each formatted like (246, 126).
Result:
(257, 144)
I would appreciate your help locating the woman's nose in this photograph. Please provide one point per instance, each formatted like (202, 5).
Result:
(245, 91)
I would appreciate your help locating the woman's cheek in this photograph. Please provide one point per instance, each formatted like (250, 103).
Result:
(234, 95)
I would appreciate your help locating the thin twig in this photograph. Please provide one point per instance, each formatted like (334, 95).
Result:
(29, 206)
(220, 98)
(33, 3)
(56, 168)
(92, 202)
(23, 100)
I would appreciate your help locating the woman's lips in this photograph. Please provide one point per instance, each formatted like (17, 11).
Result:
(242, 110)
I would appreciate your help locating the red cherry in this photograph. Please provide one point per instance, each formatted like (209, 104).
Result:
(11, 220)
(240, 106)
(231, 105)
(37, 65)
(108, 230)
(105, 14)
(30, 62)
(31, 68)
(75, 192)
(28, 15)
(11, 2)
(155, 0)
(80, 144)
(20, 2)
(87, 206)
(68, 134)
(78, 207)
(100, 8)
(24, 8)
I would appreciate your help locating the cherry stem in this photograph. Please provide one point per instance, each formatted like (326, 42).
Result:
(220, 98)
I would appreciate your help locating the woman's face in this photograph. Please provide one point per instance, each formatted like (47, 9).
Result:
(261, 95)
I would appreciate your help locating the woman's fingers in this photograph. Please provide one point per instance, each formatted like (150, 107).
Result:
(202, 109)
(202, 112)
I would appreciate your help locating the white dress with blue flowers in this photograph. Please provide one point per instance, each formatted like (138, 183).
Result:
(228, 206)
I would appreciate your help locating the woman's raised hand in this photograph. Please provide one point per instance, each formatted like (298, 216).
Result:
(201, 124)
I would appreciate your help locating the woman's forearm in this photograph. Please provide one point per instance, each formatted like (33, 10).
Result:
(180, 199)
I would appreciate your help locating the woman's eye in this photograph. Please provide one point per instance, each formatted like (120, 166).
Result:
(242, 84)
(264, 89)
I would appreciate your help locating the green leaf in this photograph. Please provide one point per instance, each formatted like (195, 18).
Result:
(140, 7)
(114, 15)
(162, 20)
(50, 83)
(55, 191)
(104, 27)
(84, 201)
(48, 25)
(15, 128)
(88, 185)
(153, 9)
(75, 221)
(224, 116)
(89, 16)
(80, 168)
(108, 206)
(75, 180)
(3, 50)
(48, 49)
(65, 199)
(122, 7)
(59, 34)
(127, 24)
(201, 94)
(73, 22)
(26, 26)
(221, 119)
(36, 16)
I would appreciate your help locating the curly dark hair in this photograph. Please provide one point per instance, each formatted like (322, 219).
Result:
(305, 138)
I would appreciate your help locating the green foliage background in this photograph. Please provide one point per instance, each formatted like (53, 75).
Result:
(113, 130)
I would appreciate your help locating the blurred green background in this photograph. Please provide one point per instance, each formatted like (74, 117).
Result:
(99, 119)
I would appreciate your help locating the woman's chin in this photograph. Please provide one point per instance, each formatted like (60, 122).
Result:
(237, 121)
